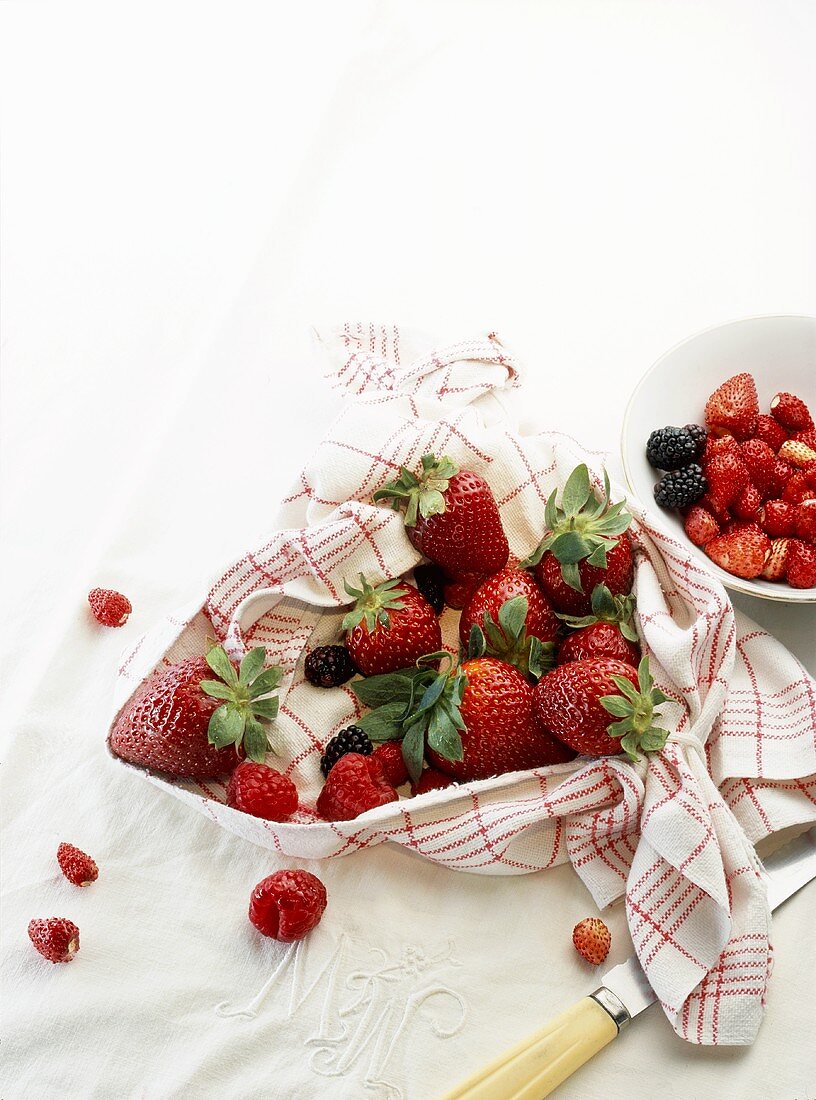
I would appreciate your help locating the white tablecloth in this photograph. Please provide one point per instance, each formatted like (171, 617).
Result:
(186, 189)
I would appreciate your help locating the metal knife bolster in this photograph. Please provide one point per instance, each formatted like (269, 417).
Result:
(613, 1006)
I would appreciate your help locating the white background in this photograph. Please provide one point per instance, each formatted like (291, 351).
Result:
(187, 187)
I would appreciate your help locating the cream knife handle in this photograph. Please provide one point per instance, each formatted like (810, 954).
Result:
(539, 1063)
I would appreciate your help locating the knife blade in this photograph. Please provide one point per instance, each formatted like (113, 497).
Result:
(540, 1063)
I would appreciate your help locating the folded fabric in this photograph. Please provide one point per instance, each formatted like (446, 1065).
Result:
(673, 834)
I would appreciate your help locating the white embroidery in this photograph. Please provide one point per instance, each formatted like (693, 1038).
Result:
(363, 1020)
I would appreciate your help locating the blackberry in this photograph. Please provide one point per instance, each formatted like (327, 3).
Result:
(430, 580)
(329, 666)
(679, 488)
(352, 739)
(699, 434)
(671, 448)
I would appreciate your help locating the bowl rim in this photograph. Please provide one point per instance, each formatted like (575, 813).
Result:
(737, 584)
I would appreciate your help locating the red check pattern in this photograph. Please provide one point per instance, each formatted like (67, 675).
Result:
(673, 836)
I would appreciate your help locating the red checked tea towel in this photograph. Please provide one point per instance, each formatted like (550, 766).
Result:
(673, 834)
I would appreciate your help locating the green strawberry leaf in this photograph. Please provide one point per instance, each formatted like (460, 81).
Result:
(384, 723)
(217, 689)
(226, 726)
(413, 750)
(512, 617)
(267, 681)
(252, 664)
(628, 631)
(443, 737)
(256, 744)
(477, 643)
(221, 665)
(571, 576)
(571, 547)
(388, 687)
(266, 708)
(576, 491)
(615, 704)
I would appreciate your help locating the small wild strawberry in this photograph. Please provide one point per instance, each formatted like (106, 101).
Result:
(77, 867)
(108, 607)
(733, 408)
(56, 938)
(592, 940)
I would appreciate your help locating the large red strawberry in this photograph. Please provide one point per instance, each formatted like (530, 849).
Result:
(508, 617)
(390, 627)
(733, 407)
(585, 546)
(185, 724)
(608, 631)
(471, 722)
(741, 551)
(579, 700)
(451, 517)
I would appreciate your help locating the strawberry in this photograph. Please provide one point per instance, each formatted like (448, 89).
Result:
(733, 407)
(718, 511)
(355, 784)
(578, 700)
(727, 477)
(56, 938)
(746, 506)
(585, 546)
(797, 453)
(457, 593)
(809, 474)
(508, 617)
(798, 488)
(390, 627)
(776, 563)
(762, 466)
(801, 565)
(791, 412)
(476, 720)
(719, 445)
(592, 940)
(700, 525)
(182, 723)
(606, 632)
(741, 550)
(108, 607)
(778, 518)
(808, 437)
(770, 431)
(77, 867)
(806, 520)
(451, 517)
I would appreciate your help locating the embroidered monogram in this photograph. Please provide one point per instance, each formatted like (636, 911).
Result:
(361, 1022)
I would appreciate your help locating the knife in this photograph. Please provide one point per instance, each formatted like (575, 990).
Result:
(539, 1064)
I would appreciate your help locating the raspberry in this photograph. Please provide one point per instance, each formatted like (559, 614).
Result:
(778, 518)
(287, 905)
(329, 666)
(109, 608)
(389, 757)
(430, 580)
(770, 432)
(592, 940)
(261, 791)
(801, 565)
(355, 784)
(352, 739)
(56, 938)
(76, 866)
(700, 525)
(791, 412)
(431, 780)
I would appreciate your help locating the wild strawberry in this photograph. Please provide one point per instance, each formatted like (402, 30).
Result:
(762, 467)
(778, 518)
(108, 607)
(798, 488)
(809, 473)
(733, 407)
(770, 431)
(56, 938)
(746, 506)
(776, 563)
(508, 617)
(355, 784)
(585, 546)
(592, 940)
(261, 791)
(719, 445)
(607, 632)
(796, 453)
(727, 477)
(182, 723)
(741, 550)
(801, 565)
(457, 593)
(700, 525)
(389, 756)
(806, 520)
(431, 780)
(77, 867)
(577, 702)
(287, 905)
(451, 517)
(390, 627)
(791, 412)
(808, 437)
(718, 511)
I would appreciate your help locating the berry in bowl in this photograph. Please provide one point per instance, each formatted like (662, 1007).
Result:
(720, 434)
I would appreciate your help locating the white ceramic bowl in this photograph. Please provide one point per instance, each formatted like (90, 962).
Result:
(780, 352)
